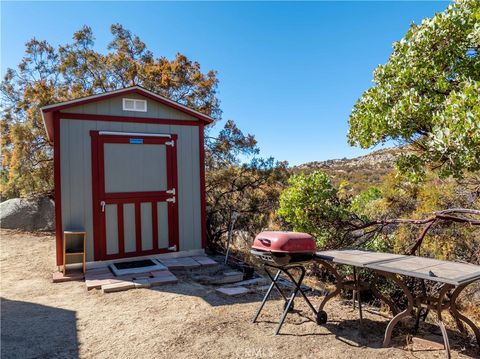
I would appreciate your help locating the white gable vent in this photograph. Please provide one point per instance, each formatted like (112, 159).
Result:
(131, 104)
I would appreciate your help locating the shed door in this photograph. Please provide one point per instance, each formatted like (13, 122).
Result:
(136, 193)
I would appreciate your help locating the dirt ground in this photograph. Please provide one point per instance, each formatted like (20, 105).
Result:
(40, 319)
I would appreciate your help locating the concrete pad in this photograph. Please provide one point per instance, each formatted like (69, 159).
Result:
(230, 277)
(180, 263)
(117, 287)
(232, 291)
(262, 288)
(165, 279)
(160, 273)
(250, 282)
(98, 283)
(142, 283)
(205, 261)
(58, 277)
(99, 271)
(94, 276)
(130, 271)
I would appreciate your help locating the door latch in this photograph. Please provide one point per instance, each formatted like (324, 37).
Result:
(172, 199)
(173, 248)
(170, 143)
(102, 204)
(171, 191)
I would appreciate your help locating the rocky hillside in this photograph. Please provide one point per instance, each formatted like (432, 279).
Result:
(361, 172)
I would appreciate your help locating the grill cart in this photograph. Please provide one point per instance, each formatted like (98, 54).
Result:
(285, 253)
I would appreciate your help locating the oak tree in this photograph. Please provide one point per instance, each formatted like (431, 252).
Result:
(428, 95)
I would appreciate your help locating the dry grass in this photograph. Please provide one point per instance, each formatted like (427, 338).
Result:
(187, 320)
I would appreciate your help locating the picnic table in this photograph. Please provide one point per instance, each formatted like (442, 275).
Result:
(453, 278)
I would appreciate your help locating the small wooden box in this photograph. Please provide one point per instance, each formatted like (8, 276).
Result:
(74, 245)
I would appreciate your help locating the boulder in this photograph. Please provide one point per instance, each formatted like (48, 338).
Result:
(28, 214)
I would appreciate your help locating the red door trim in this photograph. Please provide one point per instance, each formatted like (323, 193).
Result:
(172, 207)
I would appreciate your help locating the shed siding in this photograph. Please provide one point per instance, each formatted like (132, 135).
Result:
(113, 107)
(76, 172)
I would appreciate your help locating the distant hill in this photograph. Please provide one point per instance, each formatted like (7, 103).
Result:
(361, 172)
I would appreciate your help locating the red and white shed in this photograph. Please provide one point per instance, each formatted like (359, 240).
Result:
(129, 170)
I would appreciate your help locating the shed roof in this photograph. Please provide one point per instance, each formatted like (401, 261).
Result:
(47, 111)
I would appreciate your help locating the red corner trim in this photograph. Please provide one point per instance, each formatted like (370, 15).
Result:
(58, 189)
(203, 217)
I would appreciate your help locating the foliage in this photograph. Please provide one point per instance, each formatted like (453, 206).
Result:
(366, 202)
(250, 188)
(399, 198)
(47, 75)
(428, 95)
(311, 204)
(383, 217)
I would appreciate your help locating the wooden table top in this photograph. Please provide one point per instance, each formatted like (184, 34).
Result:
(454, 273)
(355, 257)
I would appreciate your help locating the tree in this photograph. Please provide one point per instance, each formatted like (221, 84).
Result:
(238, 181)
(47, 75)
(428, 95)
(311, 204)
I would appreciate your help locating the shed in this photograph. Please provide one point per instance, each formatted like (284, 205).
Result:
(129, 170)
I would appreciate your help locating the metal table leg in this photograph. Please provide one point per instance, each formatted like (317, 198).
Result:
(440, 308)
(401, 315)
(459, 316)
(382, 297)
(338, 283)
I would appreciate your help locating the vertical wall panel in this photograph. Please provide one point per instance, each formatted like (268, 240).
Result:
(162, 219)
(147, 236)
(77, 177)
(86, 191)
(129, 222)
(65, 173)
(111, 228)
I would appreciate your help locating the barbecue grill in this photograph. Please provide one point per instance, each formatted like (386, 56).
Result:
(285, 253)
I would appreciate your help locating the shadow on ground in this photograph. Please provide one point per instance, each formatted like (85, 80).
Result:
(208, 293)
(30, 330)
(370, 334)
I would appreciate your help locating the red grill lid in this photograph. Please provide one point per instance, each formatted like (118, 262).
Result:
(284, 242)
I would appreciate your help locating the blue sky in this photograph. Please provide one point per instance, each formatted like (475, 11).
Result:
(289, 72)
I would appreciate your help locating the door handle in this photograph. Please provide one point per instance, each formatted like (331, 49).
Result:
(102, 204)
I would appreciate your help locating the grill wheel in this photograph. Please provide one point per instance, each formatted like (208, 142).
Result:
(322, 317)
